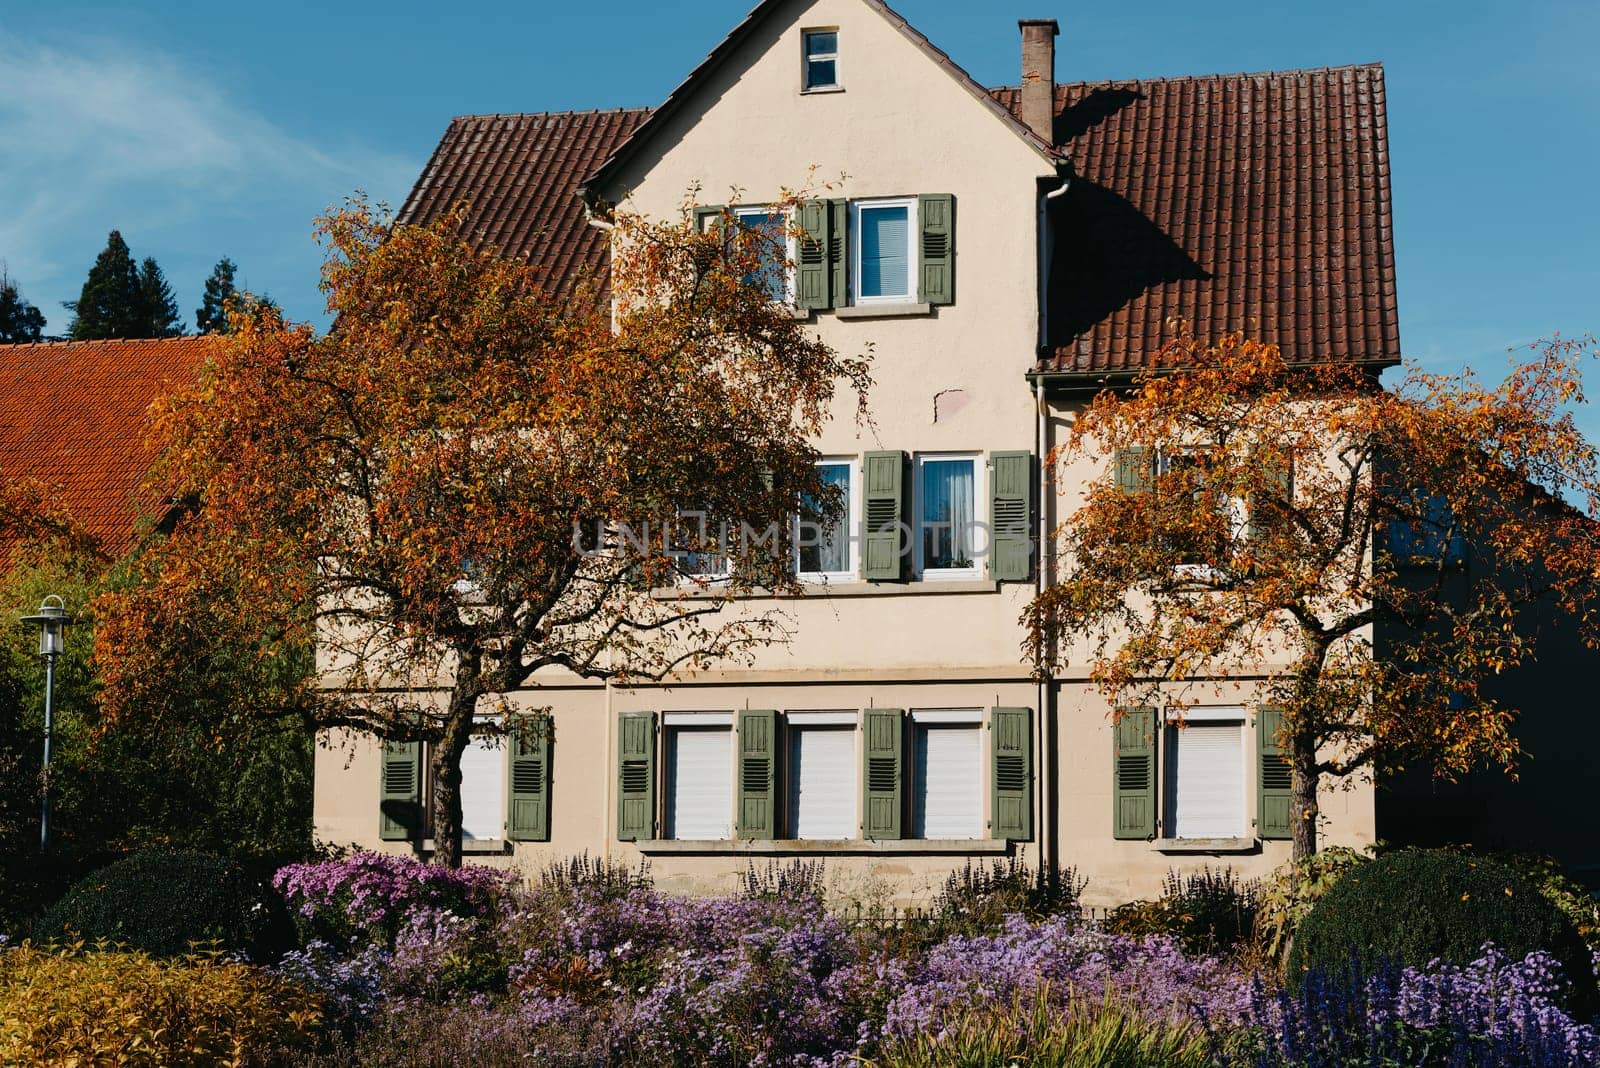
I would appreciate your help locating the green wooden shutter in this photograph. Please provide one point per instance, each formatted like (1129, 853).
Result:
(707, 217)
(400, 791)
(1272, 788)
(1010, 516)
(636, 776)
(1133, 775)
(758, 773)
(811, 269)
(883, 478)
(530, 782)
(838, 253)
(882, 791)
(937, 225)
(1011, 756)
(1134, 467)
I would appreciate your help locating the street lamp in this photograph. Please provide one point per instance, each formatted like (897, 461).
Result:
(52, 622)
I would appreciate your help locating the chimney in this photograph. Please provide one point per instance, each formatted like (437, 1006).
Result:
(1039, 76)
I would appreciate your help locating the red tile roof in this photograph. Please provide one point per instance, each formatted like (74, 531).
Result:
(520, 175)
(1253, 202)
(72, 415)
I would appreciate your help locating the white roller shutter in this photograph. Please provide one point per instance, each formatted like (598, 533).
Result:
(700, 783)
(947, 782)
(822, 782)
(1205, 781)
(483, 790)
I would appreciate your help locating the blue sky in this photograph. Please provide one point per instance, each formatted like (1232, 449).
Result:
(205, 129)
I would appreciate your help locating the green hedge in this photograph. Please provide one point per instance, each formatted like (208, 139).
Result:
(1414, 906)
(162, 901)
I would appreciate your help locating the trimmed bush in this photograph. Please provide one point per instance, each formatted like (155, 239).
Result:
(161, 901)
(71, 1006)
(1412, 907)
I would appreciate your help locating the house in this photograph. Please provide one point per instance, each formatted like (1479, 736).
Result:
(72, 417)
(1007, 252)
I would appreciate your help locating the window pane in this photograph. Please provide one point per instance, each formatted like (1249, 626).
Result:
(699, 783)
(821, 72)
(947, 798)
(947, 513)
(827, 548)
(822, 782)
(885, 270)
(1205, 781)
(483, 790)
(822, 43)
(768, 231)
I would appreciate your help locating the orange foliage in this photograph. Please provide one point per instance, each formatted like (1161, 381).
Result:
(1393, 549)
(421, 489)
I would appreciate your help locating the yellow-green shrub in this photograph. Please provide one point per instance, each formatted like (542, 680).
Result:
(94, 1005)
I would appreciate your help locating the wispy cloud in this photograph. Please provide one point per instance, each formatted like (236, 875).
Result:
(99, 130)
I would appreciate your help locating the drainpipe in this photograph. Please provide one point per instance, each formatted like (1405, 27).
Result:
(1045, 698)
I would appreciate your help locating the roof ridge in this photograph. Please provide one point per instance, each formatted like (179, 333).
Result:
(1166, 79)
(551, 114)
(6, 347)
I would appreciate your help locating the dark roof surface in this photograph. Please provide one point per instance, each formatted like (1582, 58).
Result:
(520, 175)
(72, 415)
(1251, 202)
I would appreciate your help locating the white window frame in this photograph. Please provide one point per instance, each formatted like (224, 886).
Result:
(851, 520)
(697, 579)
(921, 720)
(806, 57)
(1229, 714)
(674, 722)
(766, 211)
(979, 490)
(913, 266)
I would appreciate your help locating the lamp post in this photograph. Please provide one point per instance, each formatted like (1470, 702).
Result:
(52, 622)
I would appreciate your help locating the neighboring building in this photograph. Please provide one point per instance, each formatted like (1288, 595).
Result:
(1006, 252)
(72, 416)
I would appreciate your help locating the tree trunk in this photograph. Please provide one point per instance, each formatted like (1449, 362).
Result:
(1303, 794)
(446, 764)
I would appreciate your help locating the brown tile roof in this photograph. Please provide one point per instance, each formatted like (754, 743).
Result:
(520, 175)
(72, 415)
(1254, 202)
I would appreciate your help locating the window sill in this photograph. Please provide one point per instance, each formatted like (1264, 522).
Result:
(882, 311)
(819, 90)
(495, 846)
(840, 589)
(824, 847)
(1207, 845)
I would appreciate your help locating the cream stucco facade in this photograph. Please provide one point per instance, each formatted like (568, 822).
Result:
(948, 379)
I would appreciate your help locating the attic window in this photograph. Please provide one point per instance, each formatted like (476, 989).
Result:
(821, 60)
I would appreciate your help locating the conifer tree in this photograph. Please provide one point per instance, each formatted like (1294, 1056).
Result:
(212, 315)
(109, 304)
(159, 306)
(19, 320)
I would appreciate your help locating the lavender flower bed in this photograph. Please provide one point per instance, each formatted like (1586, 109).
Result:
(427, 966)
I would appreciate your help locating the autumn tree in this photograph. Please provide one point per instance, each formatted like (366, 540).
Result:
(1385, 550)
(466, 483)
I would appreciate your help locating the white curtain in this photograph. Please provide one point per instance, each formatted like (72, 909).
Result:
(947, 514)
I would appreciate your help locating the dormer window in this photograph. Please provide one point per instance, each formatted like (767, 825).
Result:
(821, 60)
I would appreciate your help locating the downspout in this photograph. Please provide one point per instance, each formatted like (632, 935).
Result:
(1049, 858)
